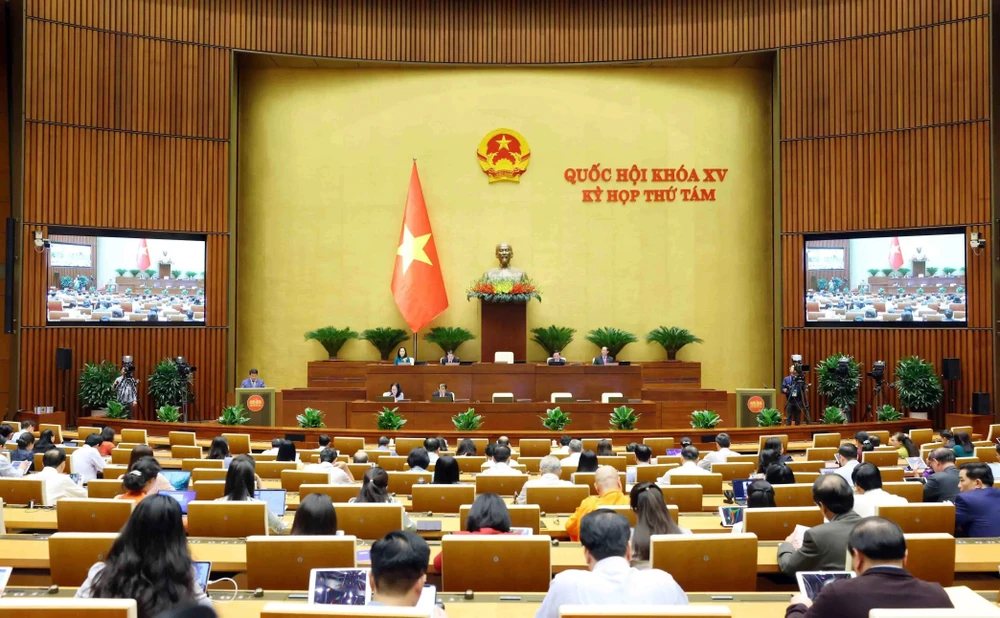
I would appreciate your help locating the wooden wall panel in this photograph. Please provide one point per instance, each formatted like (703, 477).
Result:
(217, 280)
(919, 178)
(125, 180)
(201, 346)
(910, 79)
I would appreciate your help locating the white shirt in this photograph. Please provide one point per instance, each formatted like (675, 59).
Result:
(87, 462)
(866, 503)
(58, 486)
(612, 582)
(630, 471)
(547, 480)
(846, 470)
(337, 476)
(434, 456)
(688, 467)
(270, 451)
(500, 468)
(718, 456)
(572, 460)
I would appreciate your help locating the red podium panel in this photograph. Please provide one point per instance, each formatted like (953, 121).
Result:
(504, 328)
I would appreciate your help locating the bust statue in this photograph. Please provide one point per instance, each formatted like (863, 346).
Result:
(165, 258)
(504, 255)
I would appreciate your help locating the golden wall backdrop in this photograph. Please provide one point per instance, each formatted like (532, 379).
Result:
(324, 162)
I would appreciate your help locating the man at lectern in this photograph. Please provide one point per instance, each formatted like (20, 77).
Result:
(605, 358)
(450, 358)
(253, 381)
(556, 359)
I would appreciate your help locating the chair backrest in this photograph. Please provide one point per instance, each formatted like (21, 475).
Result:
(921, 516)
(121, 456)
(960, 461)
(806, 477)
(227, 519)
(993, 433)
(559, 396)
(402, 482)
(22, 491)
(273, 469)
(587, 479)
(39, 464)
(181, 438)
(626, 511)
(590, 444)
(239, 443)
(754, 458)
(284, 562)
(711, 483)
(71, 554)
(883, 435)
(659, 445)
(688, 498)
(301, 610)
(986, 454)
(493, 563)
(112, 471)
(183, 451)
(607, 397)
(358, 469)
(707, 562)
(501, 484)
(534, 447)
(566, 472)
(931, 557)
(56, 429)
(826, 440)
(208, 490)
(92, 514)
(104, 488)
(502, 397)
(892, 475)
(85, 430)
(208, 474)
(54, 607)
(521, 516)
(763, 439)
(348, 445)
(394, 463)
(503, 357)
(337, 493)
(530, 464)
(913, 492)
(616, 462)
(799, 494)
(471, 464)
(650, 611)
(291, 480)
(920, 437)
(880, 459)
(441, 498)
(777, 524)
(136, 436)
(730, 471)
(405, 445)
(557, 499)
(820, 454)
(652, 472)
(369, 521)
(966, 428)
(191, 464)
(805, 466)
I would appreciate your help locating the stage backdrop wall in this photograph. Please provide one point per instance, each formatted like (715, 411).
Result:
(325, 159)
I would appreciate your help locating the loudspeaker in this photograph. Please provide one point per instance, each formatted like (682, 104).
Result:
(981, 403)
(64, 358)
(952, 368)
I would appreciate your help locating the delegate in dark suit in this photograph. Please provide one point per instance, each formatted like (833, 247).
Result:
(823, 547)
(879, 587)
(943, 484)
(977, 512)
(604, 360)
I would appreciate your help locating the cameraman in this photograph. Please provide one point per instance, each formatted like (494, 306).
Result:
(791, 387)
(125, 392)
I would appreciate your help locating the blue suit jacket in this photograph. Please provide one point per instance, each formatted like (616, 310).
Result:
(977, 512)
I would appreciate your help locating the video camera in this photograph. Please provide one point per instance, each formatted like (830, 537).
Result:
(799, 370)
(798, 366)
(183, 368)
(878, 372)
(129, 366)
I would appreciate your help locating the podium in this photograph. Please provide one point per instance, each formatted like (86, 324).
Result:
(504, 328)
(750, 401)
(259, 402)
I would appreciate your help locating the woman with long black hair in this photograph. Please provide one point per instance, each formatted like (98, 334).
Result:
(148, 562)
(652, 517)
(315, 516)
(375, 490)
(241, 482)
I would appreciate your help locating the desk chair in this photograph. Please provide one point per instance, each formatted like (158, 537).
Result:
(883, 435)
(921, 517)
(92, 514)
(590, 444)
(441, 498)
(337, 493)
(128, 446)
(68, 608)
(961, 461)
(913, 492)
(104, 488)
(556, 499)
(798, 494)
(754, 459)
(618, 463)
(650, 611)
(777, 524)
(291, 480)
(39, 465)
(121, 456)
(993, 433)
(22, 491)
(613, 398)
(566, 472)
(920, 437)
(805, 466)
(273, 469)
(369, 521)
(227, 519)
(892, 475)
(402, 482)
(986, 454)
(183, 451)
(688, 498)
(730, 471)
(502, 398)
(480, 446)
(239, 443)
(506, 358)
(587, 479)
(501, 484)
(83, 431)
(659, 445)
(301, 610)
(358, 470)
(136, 436)
(826, 440)
(205, 474)
(189, 465)
(763, 439)
(71, 554)
(931, 557)
(395, 463)
(534, 447)
(208, 490)
(887, 459)
(707, 562)
(57, 429)
(471, 464)
(521, 516)
(112, 471)
(710, 483)
(652, 472)
(487, 563)
(348, 445)
(529, 464)
(560, 397)
(283, 563)
(405, 445)
(806, 477)
(626, 511)
(820, 454)
(966, 428)
(181, 438)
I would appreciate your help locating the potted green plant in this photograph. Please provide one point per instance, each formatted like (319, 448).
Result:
(168, 414)
(920, 290)
(150, 273)
(467, 421)
(553, 338)
(886, 272)
(836, 283)
(932, 270)
(389, 419)
(624, 418)
(888, 413)
(672, 339)
(769, 417)
(942, 290)
(121, 272)
(190, 274)
(116, 410)
(833, 415)
(962, 269)
(705, 419)
(448, 337)
(97, 385)
(614, 338)
(234, 415)
(949, 271)
(901, 290)
(555, 419)
(840, 390)
(881, 291)
(176, 274)
(332, 338)
(65, 282)
(822, 284)
(903, 272)
(960, 290)
(311, 418)
(872, 272)
(167, 387)
(385, 339)
(134, 272)
(918, 385)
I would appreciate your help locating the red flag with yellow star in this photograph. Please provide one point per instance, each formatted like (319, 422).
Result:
(142, 255)
(417, 282)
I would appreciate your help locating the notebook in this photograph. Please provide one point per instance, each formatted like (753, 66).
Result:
(275, 499)
(182, 498)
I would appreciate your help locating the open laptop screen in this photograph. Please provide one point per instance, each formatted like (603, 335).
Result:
(275, 499)
(182, 497)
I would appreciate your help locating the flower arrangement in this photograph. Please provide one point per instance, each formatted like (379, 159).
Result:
(504, 290)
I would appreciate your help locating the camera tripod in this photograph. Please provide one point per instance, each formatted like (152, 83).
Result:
(873, 399)
(801, 402)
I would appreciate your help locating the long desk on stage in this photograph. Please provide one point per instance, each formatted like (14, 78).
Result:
(478, 381)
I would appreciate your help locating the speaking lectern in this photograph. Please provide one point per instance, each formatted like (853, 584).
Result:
(504, 328)
(749, 402)
(259, 402)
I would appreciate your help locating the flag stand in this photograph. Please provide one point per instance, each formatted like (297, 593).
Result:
(414, 348)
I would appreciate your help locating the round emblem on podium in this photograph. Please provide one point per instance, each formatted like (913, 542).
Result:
(755, 404)
(255, 403)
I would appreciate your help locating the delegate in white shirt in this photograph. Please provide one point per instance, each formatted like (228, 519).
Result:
(846, 471)
(867, 503)
(718, 456)
(612, 582)
(688, 467)
(572, 460)
(87, 462)
(58, 486)
(337, 476)
(500, 468)
(546, 480)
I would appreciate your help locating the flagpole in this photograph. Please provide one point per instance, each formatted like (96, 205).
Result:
(414, 347)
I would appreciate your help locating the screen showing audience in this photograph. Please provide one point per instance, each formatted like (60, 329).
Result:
(107, 280)
(892, 279)
(340, 587)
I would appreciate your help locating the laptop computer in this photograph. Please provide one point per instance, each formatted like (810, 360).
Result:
(275, 499)
(730, 515)
(740, 491)
(339, 587)
(182, 498)
(915, 464)
(673, 452)
(203, 570)
(440, 399)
